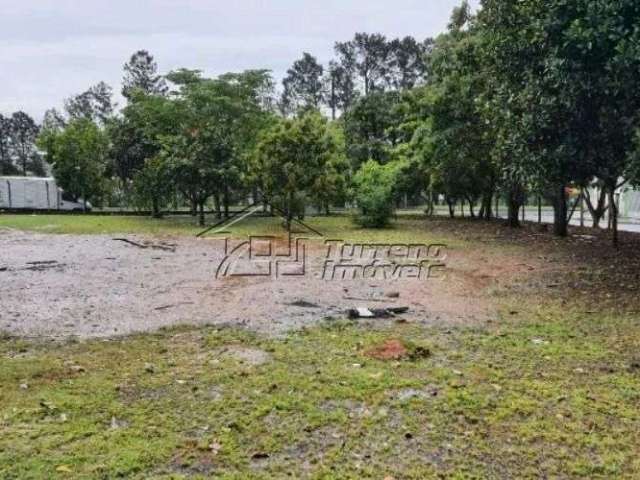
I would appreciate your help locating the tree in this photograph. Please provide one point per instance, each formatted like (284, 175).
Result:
(566, 89)
(79, 158)
(374, 191)
(24, 132)
(460, 17)
(290, 158)
(153, 184)
(462, 139)
(367, 56)
(340, 88)
(136, 136)
(221, 119)
(141, 75)
(303, 85)
(406, 63)
(370, 128)
(95, 104)
(6, 160)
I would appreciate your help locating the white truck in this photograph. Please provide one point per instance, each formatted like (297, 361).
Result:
(36, 193)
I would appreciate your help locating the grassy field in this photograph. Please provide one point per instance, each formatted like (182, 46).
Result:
(406, 229)
(550, 389)
(547, 394)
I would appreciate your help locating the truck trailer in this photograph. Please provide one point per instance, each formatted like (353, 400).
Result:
(36, 193)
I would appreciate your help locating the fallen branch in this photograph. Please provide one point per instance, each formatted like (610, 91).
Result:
(166, 248)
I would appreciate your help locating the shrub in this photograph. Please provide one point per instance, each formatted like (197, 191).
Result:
(374, 188)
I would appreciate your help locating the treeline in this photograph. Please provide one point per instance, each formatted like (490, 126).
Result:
(521, 100)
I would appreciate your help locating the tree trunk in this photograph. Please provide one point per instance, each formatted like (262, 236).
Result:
(613, 208)
(514, 209)
(515, 201)
(452, 208)
(155, 208)
(597, 212)
(539, 209)
(487, 206)
(560, 223)
(201, 221)
(194, 206)
(216, 202)
(471, 209)
(225, 201)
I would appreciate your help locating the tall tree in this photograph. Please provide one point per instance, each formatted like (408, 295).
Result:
(370, 128)
(79, 156)
(24, 132)
(291, 158)
(141, 75)
(95, 104)
(303, 85)
(340, 88)
(367, 55)
(566, 89)
(221, 119)
(406, 63)
(6, 160)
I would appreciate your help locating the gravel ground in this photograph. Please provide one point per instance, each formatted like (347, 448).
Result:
(95, 286)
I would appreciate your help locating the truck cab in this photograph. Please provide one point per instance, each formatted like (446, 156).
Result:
(68, 202)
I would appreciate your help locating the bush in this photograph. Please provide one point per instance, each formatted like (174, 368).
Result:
(374, 188)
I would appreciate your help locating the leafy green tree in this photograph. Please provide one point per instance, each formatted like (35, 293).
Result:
(565, 90)
(141, 76)
(331, 186)
(24, 132)
(303, 85)
(407, 64)
(79, 155)
(221, 119)
(153, 184)
(370, 128)
(367, 56)
(374, 193)
(6, 160)
(95, 104)
(462, 139)
(293, 159)
(136, 136)
(340, 87)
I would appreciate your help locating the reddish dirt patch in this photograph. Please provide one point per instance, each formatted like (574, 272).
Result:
(389, 350)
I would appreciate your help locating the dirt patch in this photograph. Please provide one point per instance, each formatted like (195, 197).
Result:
(389, 350)
(94, 286)
(91, 286)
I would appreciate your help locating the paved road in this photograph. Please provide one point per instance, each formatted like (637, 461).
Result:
(531, 215)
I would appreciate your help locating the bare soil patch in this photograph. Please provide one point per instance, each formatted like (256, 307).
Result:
(95, 286)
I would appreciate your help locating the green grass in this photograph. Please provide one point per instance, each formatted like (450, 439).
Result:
(548, 394)
(546, 391)
(407, 230)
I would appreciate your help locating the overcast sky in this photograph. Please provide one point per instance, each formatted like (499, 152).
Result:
(52, 49)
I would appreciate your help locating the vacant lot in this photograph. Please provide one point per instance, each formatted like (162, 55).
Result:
(520, 361)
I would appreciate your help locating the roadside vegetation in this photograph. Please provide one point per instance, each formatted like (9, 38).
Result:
(521, 102)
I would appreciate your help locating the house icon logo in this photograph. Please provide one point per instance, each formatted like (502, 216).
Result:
(263, 255)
